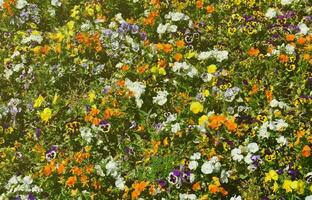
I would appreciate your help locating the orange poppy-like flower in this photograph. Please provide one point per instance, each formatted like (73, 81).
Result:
(84, 180)
(180, 43)
(76, 170)
(89, 169)
(269, 95)
(71, 181)
(283, 58)
(125, 68)
(254, 89)
(96, 121)
(290, 37)
(301, 40)
(213, 188)
(196, 186)
(223, 191)
(107, 113)
(253, 51)
(215, 121)
(306, 151)
(199, 4)
(121, 83)
(178, 57)
(138, 188)
(47, 170)
(210, 9)
(61, 169)
(94, 111)
(167, 48)
(230, 125)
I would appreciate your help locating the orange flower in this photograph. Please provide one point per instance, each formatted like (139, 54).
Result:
(180, 43)
(215, 121)
(89, 169)
(306, 151)
(61, 169)
(76, 170)
(253, 51)
(268, 95)
(84, 180)
(210, 9)
(301, 40)
(94, 111)
(213, 189)
(96, 185)
(167, 48)
(254, 89)
(199, 4)
(196, 186)
(224, 192)
(125, 68)
(138, 188)
(47, 170)
(283, 58)
(230, 125)
(71, 181)
(178, 57)
(121, 83)
(290, 37)
(107, 113)
(96, 121)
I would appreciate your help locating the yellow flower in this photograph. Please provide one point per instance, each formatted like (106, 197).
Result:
(272, 175)
(55, 98)
(275, 187)
(38, 101)
(206, 93)
(287, 185)
(202, 120)
(196, 107)
(212, 69)
(91, 96)
(46, 114)
(300, 187)
(190, 54)
(162, 71)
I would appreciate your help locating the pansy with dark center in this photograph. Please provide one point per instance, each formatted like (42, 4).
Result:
(105, 126)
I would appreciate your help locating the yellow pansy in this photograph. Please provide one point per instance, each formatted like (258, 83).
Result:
(162, 71)
(91, 96)
(46, 114)
(206, 93)
(196, 107)
(272, 175)
(300, 187)
(190, 54)
(287, 185)
(202, 120)
(38, 101)
(275, 187)
(212, 69)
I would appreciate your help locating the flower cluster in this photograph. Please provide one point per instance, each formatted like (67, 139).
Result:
(155, 99)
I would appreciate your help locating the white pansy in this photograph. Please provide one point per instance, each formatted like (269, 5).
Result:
(111, 168)
(187, 196)
(56, 3)
(162, 28)
(21, 4)
(281, 140)
(193, 165)
(274, 103)
(263, 131)
(303, 28)
(236, 198)
(207, 168)
(177, 16)
(175, 128)
(286, 2)
(161, 98)
(247, 158)
(253, 147)
(27, 180)
(278, 125)
(99, 170)
(172, 28)
(270, 13)
(137, 88)
(236, 154)
(86, 134)
(308, 197)
(290, 49)
(195, 156)
(120, 183)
